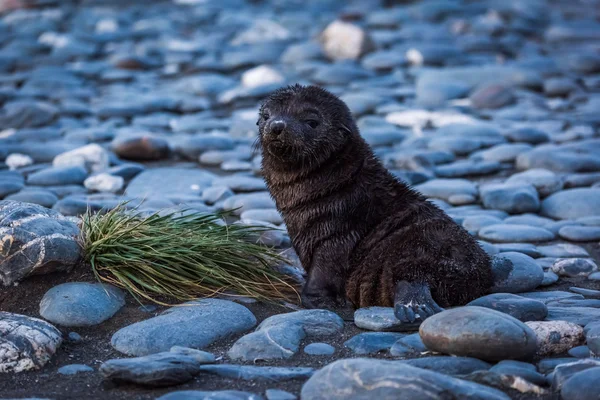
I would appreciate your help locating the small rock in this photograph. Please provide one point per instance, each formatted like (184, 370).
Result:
(343, 41)
(216, 395)
(582, 386)
(81, 303)
(515, 273)
(580, 352)
(550, 278)
(512, 198)
(577, 315)
(573, 267)
(381, 319)
(261, 75)
(319, 349)
(410, 345)
(546, 182)
(254, 373)
(56, 176)
(26, 343)
(104, 183)
(372, 342)
(556, 337)
(480, 333)
(519, 307)
(16, 161)
(141, 147)
(276, 394)
(449, 365)
(74, 369)
(507, 233)
(92, 157)
(492, 96)
(74, 337)
(580, 233)
(572, 204)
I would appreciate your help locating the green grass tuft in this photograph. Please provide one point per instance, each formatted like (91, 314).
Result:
(181, 257)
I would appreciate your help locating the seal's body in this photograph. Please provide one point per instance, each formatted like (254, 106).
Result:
(360, 233)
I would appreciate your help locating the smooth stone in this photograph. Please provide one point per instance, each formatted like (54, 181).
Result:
(202, 357)
(319, 349)
(594, 303)
(549, 296)
(169, 180)
(276, 394)
(141, 147)
(556, 337)
(92, 157)
(40, 196)
(577, 315)
(548, 365)
(507, 233)
(445, 188)
(592, 335)
(159, 369)
(588, 293)
(255, 373)
(559, 87)
(527, 135)
(126, 170)
(279, 336)
(546, 182)
(580, 233)
(572, 204)
(507, 152)
(515, 273)
(519, 307)
(194, 147)
(558, 160)
(512, 198)
(104, 183)
(74, 369)
(345, 41)
(475, 223)
(271, 216)
(574, 267)
(480, 333)
(27, 114)
(461, 168)
(449, 365)
(362, 378)
(372, 342)
(492, 96)
(525, 248)
(564, 372)
(550, 278)
(250, 201)
(563, 250)
(408, 346)
(55, 176)
(240, 183)
(525, 373)
(26, 343)
(215, 395)
(594, 276)
(196, 325)
(74, 337)
(381, 319)
(81, 303)
(35, 240)
(580, 352)
(582, 386)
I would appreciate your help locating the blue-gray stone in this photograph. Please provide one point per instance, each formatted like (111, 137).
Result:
(515, 273)
(525, 373)
(577, 315)
(196, 324)
(582, 386)
(512, 198)
(408, 346)
(27, 114)
(572, 204)
(549, 296)
(276, 394)
(550, 278)
(81, 303)
(507, 233)
(580, 352)
(372, 342)
(58, 176)
(216, 395)
(580, 233)
(448, 365)
(588, 293)
(39, 196)
(389, 379)
(319, 349)
(478, 332)
(74, 337)
(558, 160)
(502, 152)
(381, 319)
(564, 250)
(444, 188)
(521, 308)
(169, 180)
(574, 267)
(74, 369)
(279, 336)
(255, 373)
(546, 182)
(467, 168)
(524, 248)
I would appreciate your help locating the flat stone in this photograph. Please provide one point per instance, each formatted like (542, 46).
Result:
(160, 369)
(408, 346)
(478, 332)
(372, 342)
(461, 168)
(251, 201)
(279, 336)
(588, 293)
(546, 182)
(582, 386)
(592, 336)
(556, 337)
(74, 369)
(549, 296)
(580, 352)
(362, 378)
(548, 365)
(515, 273)
(519, 307)
(507, 233)
(35, 240)
(444, 188)
(81, 303)
(522, 370)
(573, 267)
(580, 233)
(512, 198)
(216, 395)
(141, 147)
(254, 373)
(276, 394)
(563, 250)
(550, 278)
(197, 325)
(319, 349)
(26, 343)
(92, 157)
(449, 365)
(74, 175)
(104, 183)
(572, 204)
(577, 315)
(381, 319)
(240, 183)
(169, 180)
(40, 196)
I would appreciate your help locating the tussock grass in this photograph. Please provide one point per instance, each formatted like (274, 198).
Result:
(181, 256)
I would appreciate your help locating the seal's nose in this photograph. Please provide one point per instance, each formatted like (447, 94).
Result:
(276, 127)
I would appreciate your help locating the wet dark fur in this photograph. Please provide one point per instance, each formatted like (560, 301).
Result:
(357, 229)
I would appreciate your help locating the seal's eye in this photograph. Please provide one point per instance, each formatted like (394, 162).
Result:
(313, 123)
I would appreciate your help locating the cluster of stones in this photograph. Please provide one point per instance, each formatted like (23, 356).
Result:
(488, 108)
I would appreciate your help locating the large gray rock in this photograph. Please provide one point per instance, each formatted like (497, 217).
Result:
(572, 204)
(362, 378)
(194, 324)
(81, 303)
(478, 332)
(279, 336)
(26, 343)
(34, 241)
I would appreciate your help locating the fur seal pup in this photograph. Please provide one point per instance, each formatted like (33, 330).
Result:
(360, 233)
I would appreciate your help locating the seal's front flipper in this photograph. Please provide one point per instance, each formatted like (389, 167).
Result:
(413, 302)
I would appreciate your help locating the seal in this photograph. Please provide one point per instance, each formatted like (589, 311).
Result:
(361, 234)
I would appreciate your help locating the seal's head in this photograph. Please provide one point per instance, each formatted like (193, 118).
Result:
(303, 126)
